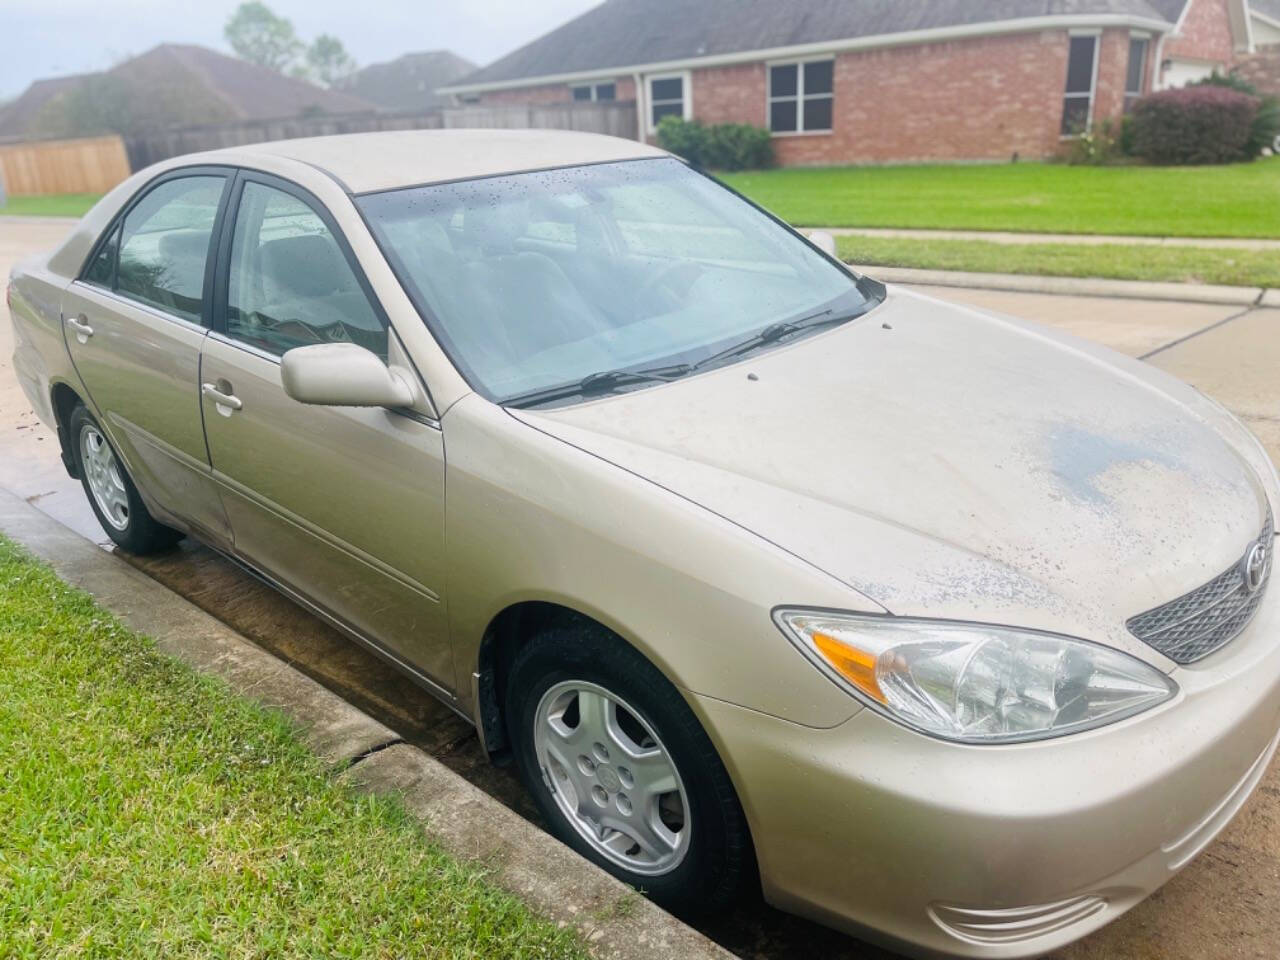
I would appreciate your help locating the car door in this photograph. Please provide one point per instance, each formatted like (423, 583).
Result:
(134, 322)
(343, 506)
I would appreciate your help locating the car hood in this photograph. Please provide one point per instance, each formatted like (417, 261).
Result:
(945, 462)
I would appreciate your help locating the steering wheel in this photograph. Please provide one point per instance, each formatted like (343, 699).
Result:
(672, 271)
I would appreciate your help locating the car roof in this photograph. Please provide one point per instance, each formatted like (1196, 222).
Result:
(370, 162)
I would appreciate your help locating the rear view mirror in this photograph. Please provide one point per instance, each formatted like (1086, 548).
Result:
(824, 242)
(342, 375)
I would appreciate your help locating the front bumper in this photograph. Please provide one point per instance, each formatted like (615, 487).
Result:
(1002, 851)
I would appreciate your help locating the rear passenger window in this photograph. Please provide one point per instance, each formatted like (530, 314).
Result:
(290, 283)
(164, 245)
(103, 269)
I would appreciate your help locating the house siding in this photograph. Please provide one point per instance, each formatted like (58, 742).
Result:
(1205, 34)
(972, 99)
(977, 99)
(1262, 69)
(554, 92)
(736, 94)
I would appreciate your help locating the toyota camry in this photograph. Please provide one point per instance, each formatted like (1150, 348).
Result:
(936, 625)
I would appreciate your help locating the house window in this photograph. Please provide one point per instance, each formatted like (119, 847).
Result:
(1077, 104)
(1135, 80)
(668, 97)
(596, 91)
(800, 96)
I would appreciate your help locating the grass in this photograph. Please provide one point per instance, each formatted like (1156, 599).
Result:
(55, 205)
(148, 812)
(1242, 200)
(1247, 268)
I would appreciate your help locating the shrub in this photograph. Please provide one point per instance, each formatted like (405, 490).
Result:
(1228, 81)
(738, 146)
(1266, 123)
(1265, 134)
(728, 146)
(1194, 125)
(683, 138)
(1097, 147)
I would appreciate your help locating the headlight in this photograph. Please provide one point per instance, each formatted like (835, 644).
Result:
(976, 683)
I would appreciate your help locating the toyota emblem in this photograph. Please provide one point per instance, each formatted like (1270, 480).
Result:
(1255, 567)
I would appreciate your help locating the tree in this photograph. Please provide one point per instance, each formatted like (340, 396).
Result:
(259, 36)
(328, 60)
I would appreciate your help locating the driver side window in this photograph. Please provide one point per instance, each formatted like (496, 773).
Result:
(290, 284)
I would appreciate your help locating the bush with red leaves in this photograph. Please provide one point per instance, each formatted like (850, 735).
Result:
(1194, 125)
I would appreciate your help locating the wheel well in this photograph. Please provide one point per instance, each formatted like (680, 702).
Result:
(64, 401)
(503, 638)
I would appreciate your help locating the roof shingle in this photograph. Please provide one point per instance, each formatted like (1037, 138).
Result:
(624, 33)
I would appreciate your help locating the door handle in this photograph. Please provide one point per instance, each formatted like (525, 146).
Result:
(80, 328)
(225, 403)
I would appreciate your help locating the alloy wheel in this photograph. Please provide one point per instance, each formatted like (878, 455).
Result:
(612, 778)
(103, 475)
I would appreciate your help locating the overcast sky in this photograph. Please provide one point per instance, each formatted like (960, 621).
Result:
(44, 38)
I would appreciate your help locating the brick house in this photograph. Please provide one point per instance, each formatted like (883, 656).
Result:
(877, 81)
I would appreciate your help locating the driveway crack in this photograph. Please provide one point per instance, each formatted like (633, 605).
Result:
(1195, 333)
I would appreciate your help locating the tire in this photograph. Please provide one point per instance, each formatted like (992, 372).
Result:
(707, 866)
(116, 503)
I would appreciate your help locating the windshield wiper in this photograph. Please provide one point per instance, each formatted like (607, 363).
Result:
(598, 384)
(772, 334)
(610, 381)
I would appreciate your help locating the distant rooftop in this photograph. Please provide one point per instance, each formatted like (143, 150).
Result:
(622, 34)
(409, 82)
(184, 84)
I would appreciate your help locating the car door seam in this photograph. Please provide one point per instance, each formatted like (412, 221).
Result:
(234, 486)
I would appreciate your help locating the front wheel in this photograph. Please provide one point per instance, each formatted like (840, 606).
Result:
(112, 495)
(622, 770)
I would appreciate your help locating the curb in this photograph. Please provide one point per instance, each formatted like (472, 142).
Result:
(614, 922)
(1012, 238)
(1077, 286)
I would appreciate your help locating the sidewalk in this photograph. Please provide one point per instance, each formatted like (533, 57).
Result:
(1077, 239)
(1078, 286)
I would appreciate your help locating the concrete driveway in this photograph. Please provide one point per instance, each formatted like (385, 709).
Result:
(1223, 905)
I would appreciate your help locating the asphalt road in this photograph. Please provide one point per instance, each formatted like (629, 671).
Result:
(1224, 905)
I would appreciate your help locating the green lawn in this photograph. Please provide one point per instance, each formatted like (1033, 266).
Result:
(57, 205)
(1247, 268)
(147, 812)
(1232, 201)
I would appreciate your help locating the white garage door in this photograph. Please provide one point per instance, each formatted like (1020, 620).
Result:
(1182, 72)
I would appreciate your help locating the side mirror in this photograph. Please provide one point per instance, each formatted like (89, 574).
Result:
(342, 375)
(824, 242)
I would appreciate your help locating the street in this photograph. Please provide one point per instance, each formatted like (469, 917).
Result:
(1222, 905)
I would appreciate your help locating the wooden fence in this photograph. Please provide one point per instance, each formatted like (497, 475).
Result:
(617, 119)
(96, 165)
(63, 166)
(148, 148)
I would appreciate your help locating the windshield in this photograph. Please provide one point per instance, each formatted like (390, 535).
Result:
(543, 279)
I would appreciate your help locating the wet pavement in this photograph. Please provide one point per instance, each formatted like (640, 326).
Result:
(1223, 905)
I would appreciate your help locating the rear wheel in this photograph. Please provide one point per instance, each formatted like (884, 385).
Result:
(111, 492)
(622, 770)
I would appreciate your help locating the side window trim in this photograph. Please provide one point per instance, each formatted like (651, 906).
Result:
(117, 225)
(115, 231)
(222, 260)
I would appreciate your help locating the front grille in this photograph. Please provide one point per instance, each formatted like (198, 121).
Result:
(1198, 623)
